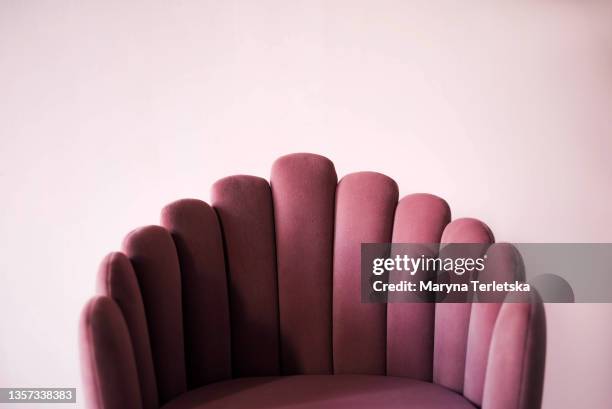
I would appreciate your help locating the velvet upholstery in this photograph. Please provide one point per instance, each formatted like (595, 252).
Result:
(110, 378)
(117, 280)
(365, 205)
(304, 189)
(516, 359)
(419, 218)
(452, 319)
(321, 392)
(254, 302)
(197, 235)
(244, 206)
(503, 264)
(153, 255)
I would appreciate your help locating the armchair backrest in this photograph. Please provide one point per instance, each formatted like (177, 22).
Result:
(266, 281)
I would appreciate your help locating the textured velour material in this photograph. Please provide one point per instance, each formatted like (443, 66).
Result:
(116, 279)
(419, 218)
(304, 188)
(109, 371)
(197, 236)
(503, 263)
(255, 303)
(153, 255)
(365, 205)
(244, 206)
(321, 392)
(452, 319)
(515, 371)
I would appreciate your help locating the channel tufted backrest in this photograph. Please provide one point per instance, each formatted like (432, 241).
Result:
(266, 281)
(303, 192)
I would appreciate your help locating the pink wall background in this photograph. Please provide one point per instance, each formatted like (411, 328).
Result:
(109, 110)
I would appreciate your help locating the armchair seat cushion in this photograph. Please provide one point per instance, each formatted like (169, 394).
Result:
(321, 392)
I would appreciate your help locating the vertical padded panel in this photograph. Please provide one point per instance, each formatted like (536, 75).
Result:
(110, 378)
(515, 371)
(303, 188)
(116, 279)
(503, 263)
(452, 319)
(197, 236)
(419, 218)
(244, 206)
(365, 204)
(153, 255)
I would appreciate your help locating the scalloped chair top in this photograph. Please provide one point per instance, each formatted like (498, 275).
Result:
(265, 282)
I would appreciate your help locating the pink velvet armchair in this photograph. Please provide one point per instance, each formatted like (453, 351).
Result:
(254, 302)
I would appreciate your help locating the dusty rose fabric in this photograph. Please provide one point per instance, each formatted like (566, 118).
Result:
(109, 371)
(365, 205)
(515, 370)
(419, 218)
(153, 256)
(244, 206)
(267, 282)
(197, 235)
(304, 188)
(322, 392)
(117, 279)
(452, 319)
(504, 263)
